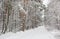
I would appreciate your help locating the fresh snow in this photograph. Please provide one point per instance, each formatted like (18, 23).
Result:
(37, 33)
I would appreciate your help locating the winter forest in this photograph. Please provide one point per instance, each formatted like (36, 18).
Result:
(17, 15)
(23, 15)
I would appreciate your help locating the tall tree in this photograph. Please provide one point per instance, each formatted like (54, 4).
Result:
(7, 8)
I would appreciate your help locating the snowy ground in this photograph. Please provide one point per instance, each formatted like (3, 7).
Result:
(37, 33)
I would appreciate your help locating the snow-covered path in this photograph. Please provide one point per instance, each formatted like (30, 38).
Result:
(37, 33)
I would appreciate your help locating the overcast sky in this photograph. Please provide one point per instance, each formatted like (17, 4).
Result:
(46, 2)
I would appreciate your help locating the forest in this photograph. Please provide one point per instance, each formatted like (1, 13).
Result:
(20, 15)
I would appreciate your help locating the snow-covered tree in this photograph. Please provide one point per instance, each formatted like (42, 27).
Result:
(52, 15)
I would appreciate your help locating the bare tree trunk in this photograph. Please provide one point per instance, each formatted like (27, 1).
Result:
(23, 18)
(4, 20)
(7, 7)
